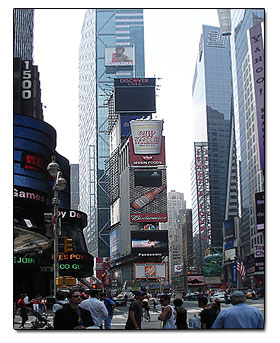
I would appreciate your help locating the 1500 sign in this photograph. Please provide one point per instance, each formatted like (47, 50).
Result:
(26, 83)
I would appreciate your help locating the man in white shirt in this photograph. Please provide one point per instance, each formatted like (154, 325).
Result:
(96, 307)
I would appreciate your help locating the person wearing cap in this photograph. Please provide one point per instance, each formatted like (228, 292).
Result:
(168, 315)
(240, 315)
(135, 313)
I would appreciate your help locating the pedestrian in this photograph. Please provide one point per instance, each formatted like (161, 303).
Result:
(168, 315)
(110, 306)
(216, 306)
(181, 321)
(35, 304)
(207, 315)
(95, 307)
(72, 316)
(135, 312)
(22, 311)
(240, 315)
(26, 299)
(61, 299)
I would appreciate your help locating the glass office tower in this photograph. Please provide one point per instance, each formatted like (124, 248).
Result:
(103, 32)
(250, 174)
(23, 33)
(212, 104)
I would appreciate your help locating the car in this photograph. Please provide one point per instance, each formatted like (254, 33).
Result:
(191, 296)
(219, 295)
(249, 295)
(120, 301)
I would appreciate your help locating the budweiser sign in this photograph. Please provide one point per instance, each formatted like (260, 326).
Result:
(144, 217)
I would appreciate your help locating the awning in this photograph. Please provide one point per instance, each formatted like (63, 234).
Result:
(27, 241)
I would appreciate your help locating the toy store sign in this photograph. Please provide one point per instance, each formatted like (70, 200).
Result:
(259, 250)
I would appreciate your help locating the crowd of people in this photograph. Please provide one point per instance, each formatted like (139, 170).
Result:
(94, 310)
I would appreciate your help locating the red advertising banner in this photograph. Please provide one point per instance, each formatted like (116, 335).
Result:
(146, 159)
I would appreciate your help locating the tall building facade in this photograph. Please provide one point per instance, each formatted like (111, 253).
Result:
(250, 169)
(212, 104)
(105, 34)
(23, 33)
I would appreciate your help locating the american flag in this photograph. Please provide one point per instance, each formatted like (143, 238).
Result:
(241, 268)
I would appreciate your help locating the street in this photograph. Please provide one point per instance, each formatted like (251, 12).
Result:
(121, 313)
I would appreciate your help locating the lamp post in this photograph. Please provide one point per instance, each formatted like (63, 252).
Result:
(59, 184)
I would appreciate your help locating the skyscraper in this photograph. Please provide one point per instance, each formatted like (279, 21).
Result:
(107, 34)
(23, 33)
(251, 178)
(212, 100)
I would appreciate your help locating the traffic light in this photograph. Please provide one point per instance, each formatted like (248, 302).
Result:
(59, 281)
(70, 281)
(68, 245)
(102, 276)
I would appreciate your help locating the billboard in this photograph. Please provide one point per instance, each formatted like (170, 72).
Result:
(125, 126)
(196, 280)
(259, 200)
(119, 56)
(146, 136)
(148, 195)
(258, 250)
(115, 244)
(229, 229)
(149, 270)
(135, 96)
(149, 243)
(230, 255)
(146, 159)
(203, 193)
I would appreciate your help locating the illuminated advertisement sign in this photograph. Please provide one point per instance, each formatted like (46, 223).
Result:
(229, 228)
(257, 63)
(135, 96)
(146, 136)
(146, 159)
(196, 280)
(76, 265)
(149, 270)
(259, 199)
(203, 192)
(230, 255)
(148, 195)
(34, 145)
(149, 243)
(119, 56)
(115, 244)
(125, 126)
(258, 250)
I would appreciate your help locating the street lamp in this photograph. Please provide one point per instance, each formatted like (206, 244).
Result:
(59, 184)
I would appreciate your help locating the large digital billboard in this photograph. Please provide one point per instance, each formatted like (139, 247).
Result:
(146, 159)
(148, 195)
(229, 228)
(115, 244)
(196, 280)
(119, 56)
(259, 199)
(135, 96)
(230, 255)
(149, 243)
(149, 270)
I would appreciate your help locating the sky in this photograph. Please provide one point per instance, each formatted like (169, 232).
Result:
(171, 45)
